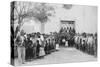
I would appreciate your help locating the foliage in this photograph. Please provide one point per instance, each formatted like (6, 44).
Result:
(23, 10)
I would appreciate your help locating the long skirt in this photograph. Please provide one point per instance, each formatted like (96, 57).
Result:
(34, 52)
(57, 46)
(29, 53)
(66, 44)
(41, 53)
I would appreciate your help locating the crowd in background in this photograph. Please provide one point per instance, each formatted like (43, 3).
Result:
(86, 43)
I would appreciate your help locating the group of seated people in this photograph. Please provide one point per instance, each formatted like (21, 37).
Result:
(86, 43)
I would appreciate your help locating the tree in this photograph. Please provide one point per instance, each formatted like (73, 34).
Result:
(42, 14)
(19, 11)
(22, 10)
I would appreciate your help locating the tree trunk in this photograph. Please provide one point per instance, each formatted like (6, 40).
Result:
(42, 28)
(16, 31)
(18, 27)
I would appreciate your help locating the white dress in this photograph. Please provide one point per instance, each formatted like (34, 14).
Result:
(57, 46)
(66, 44)
(42, 53)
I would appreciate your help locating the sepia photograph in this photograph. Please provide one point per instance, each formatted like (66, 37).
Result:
(52, 33)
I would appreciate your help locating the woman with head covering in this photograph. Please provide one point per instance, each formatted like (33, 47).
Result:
(37, 49)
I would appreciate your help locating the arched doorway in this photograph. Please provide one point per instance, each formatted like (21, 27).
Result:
(67, 32)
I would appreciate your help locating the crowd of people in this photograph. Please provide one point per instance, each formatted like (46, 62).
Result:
(34, 45)
(86, 43)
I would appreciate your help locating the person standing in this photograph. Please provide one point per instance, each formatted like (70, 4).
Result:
(63, 41)
(37, 49)
(34, 46)
(42, 53)
(21, 48)
(57, 45)
(66, 43)
(49, 46)
(46, 47)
